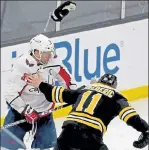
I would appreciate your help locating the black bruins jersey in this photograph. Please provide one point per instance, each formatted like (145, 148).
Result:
(94, 106)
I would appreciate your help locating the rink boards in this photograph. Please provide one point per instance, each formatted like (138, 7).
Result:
(121, 50)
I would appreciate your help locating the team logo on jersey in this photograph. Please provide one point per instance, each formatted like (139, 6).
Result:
(34, 90)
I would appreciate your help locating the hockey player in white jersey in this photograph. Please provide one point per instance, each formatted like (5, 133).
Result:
(26, 101)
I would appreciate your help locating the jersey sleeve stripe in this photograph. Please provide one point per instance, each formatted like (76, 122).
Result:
(129, 116)
(65, 76)
(124, 110)
(126, 113)
(53, 94)
(60, 95)
(57, 94)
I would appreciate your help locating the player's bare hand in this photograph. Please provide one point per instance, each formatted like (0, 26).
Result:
(35, 80)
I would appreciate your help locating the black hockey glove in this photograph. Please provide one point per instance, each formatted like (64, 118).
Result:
(63, 10)
(142, 141)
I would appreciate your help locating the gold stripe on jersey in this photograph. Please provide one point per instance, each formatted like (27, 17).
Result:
(57, 93)
(129, 116)
(90, 117)
(89, 120)
(53, 94)
(60, 95)
(124, 110)
(83, 99)
(127, 113)
(95, 99)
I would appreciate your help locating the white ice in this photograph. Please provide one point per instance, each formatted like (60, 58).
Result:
(119, 136)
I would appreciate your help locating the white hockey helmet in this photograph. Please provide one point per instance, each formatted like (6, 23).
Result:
(41, 43)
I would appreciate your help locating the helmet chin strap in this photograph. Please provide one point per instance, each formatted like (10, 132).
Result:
(40, 62)
(39, 59)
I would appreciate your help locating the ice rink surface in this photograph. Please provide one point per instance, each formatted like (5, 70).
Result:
(119, 136)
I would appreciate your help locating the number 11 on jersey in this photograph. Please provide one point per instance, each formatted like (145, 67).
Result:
(91, 102)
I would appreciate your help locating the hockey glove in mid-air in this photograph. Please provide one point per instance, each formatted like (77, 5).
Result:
(30, 114)
(63, 10)
(142, 141)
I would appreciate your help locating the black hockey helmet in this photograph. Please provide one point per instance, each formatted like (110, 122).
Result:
(108, 79)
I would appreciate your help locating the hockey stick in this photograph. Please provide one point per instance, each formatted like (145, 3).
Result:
(24, 120)
(45, 29)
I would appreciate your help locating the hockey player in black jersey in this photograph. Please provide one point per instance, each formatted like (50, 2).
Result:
(94, 108)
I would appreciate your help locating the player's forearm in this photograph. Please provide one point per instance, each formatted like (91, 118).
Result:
(129, 115)
(58, 94)
(138, 123)
(46, 89)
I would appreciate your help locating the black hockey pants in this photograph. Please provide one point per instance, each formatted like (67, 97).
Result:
(74, 138)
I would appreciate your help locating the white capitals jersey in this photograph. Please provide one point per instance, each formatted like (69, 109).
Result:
(18, 94)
